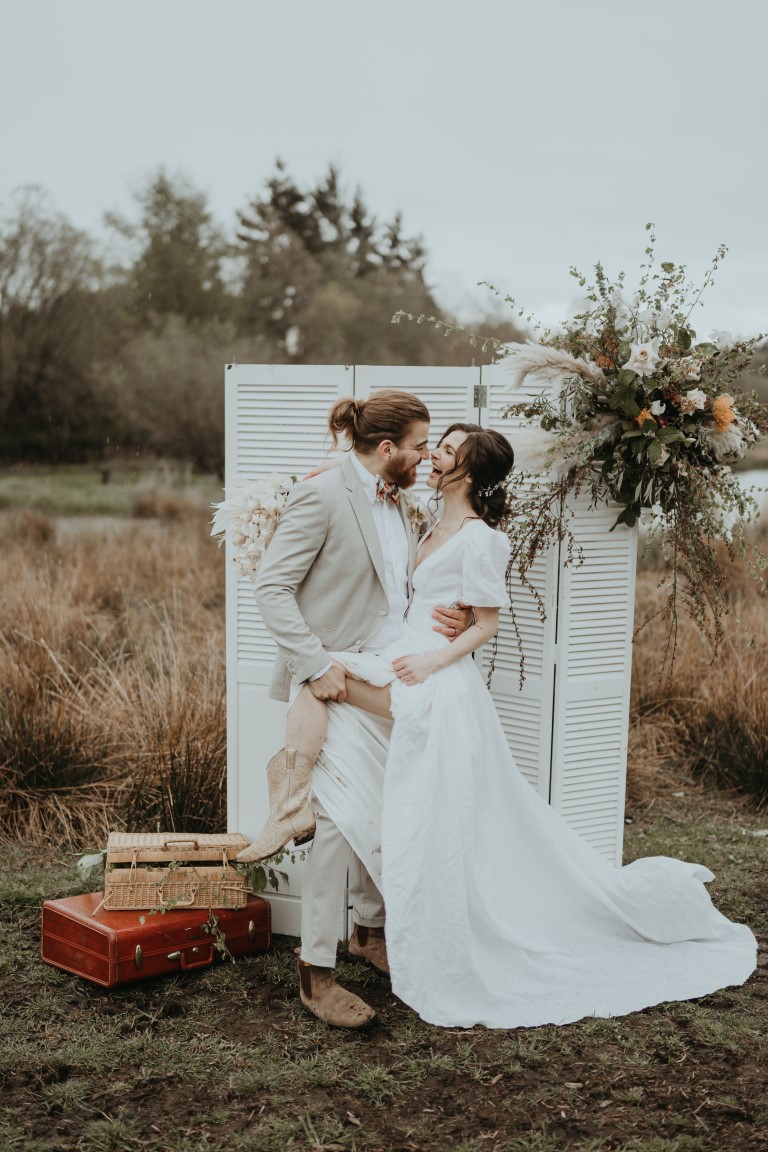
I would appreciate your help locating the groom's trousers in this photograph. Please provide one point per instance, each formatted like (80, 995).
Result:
(324, 883)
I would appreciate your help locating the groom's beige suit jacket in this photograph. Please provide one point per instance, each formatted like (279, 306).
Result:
(321, 586)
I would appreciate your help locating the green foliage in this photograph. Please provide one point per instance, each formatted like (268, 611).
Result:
(320, 275)
(177, 254)
(645, 420)
(51, 331)
(97, 358)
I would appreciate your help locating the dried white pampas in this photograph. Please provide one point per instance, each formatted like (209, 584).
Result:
(547, 363)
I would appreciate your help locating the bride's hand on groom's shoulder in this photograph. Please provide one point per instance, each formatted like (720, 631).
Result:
(324, 467)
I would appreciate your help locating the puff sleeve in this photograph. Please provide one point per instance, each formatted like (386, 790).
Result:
(485, 563)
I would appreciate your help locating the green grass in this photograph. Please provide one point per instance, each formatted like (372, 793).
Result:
(227, 1059)
(78, 489)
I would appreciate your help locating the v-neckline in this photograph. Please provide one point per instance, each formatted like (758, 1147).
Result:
(420, 563)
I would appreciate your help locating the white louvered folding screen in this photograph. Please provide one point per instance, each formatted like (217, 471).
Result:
(566, 726)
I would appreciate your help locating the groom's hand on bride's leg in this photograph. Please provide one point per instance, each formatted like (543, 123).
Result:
(451, 622)
(332, 685)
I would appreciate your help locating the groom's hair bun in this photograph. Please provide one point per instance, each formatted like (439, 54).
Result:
(386, 415)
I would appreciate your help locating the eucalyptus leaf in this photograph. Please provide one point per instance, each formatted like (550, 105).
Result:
(669, 435)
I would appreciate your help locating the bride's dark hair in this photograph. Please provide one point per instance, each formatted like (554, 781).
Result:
(486, 456)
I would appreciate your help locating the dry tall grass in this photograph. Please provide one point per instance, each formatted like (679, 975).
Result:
(112, 690)
(112, 702)
(711, 720)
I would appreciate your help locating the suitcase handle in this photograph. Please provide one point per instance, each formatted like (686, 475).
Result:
(206, 959)
(183, 842)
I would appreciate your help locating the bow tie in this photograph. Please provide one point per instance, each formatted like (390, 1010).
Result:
(386, 491)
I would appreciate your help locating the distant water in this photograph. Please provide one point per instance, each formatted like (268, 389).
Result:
(756, 478)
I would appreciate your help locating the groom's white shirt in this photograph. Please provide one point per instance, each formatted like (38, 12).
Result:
(394, 546)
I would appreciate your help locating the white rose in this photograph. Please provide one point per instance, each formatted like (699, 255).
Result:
(658, 407)
(643, 358)
(722, 338)
(694, 372)
(694, 400)
(662, 458)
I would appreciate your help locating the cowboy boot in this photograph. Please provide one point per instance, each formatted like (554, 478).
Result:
(324, 998)
(290, 813)
(369, 944)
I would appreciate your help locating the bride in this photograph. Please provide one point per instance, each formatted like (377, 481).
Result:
(498, 913)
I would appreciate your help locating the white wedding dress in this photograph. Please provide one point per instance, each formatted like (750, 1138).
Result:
(497, 912)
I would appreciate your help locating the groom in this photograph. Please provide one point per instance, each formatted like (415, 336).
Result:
(336, 577)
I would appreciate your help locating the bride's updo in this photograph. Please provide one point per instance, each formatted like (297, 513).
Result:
(486, 456)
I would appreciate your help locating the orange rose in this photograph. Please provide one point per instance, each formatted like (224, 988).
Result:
(722, 411)
(645, 415)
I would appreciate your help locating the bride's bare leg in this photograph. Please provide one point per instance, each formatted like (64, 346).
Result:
(306, 725)
(370, 699)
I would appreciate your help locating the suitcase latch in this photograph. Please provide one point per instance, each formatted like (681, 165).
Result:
(251, 931)
(138, 956)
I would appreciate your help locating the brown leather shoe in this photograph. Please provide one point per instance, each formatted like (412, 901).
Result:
(324, 998)
(369, 944)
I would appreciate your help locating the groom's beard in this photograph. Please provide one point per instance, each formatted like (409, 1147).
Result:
(401, 470)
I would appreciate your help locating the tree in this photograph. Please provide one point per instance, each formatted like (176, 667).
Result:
(321, 277)
(169, 388)
(50, 280)
(322, 280)
(178, 253)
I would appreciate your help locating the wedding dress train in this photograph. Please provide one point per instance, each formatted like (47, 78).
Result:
(498, 913)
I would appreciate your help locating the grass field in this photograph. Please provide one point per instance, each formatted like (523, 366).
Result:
(227, 1060)
(136, 487)
(112, 712)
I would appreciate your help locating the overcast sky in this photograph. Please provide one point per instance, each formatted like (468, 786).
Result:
(516, 138)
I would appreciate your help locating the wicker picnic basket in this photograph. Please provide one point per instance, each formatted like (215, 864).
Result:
(164, 870)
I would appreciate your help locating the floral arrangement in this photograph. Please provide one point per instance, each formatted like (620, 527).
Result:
(251, 513)
(643, 413)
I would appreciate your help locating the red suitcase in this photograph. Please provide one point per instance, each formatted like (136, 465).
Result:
(112, 948)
